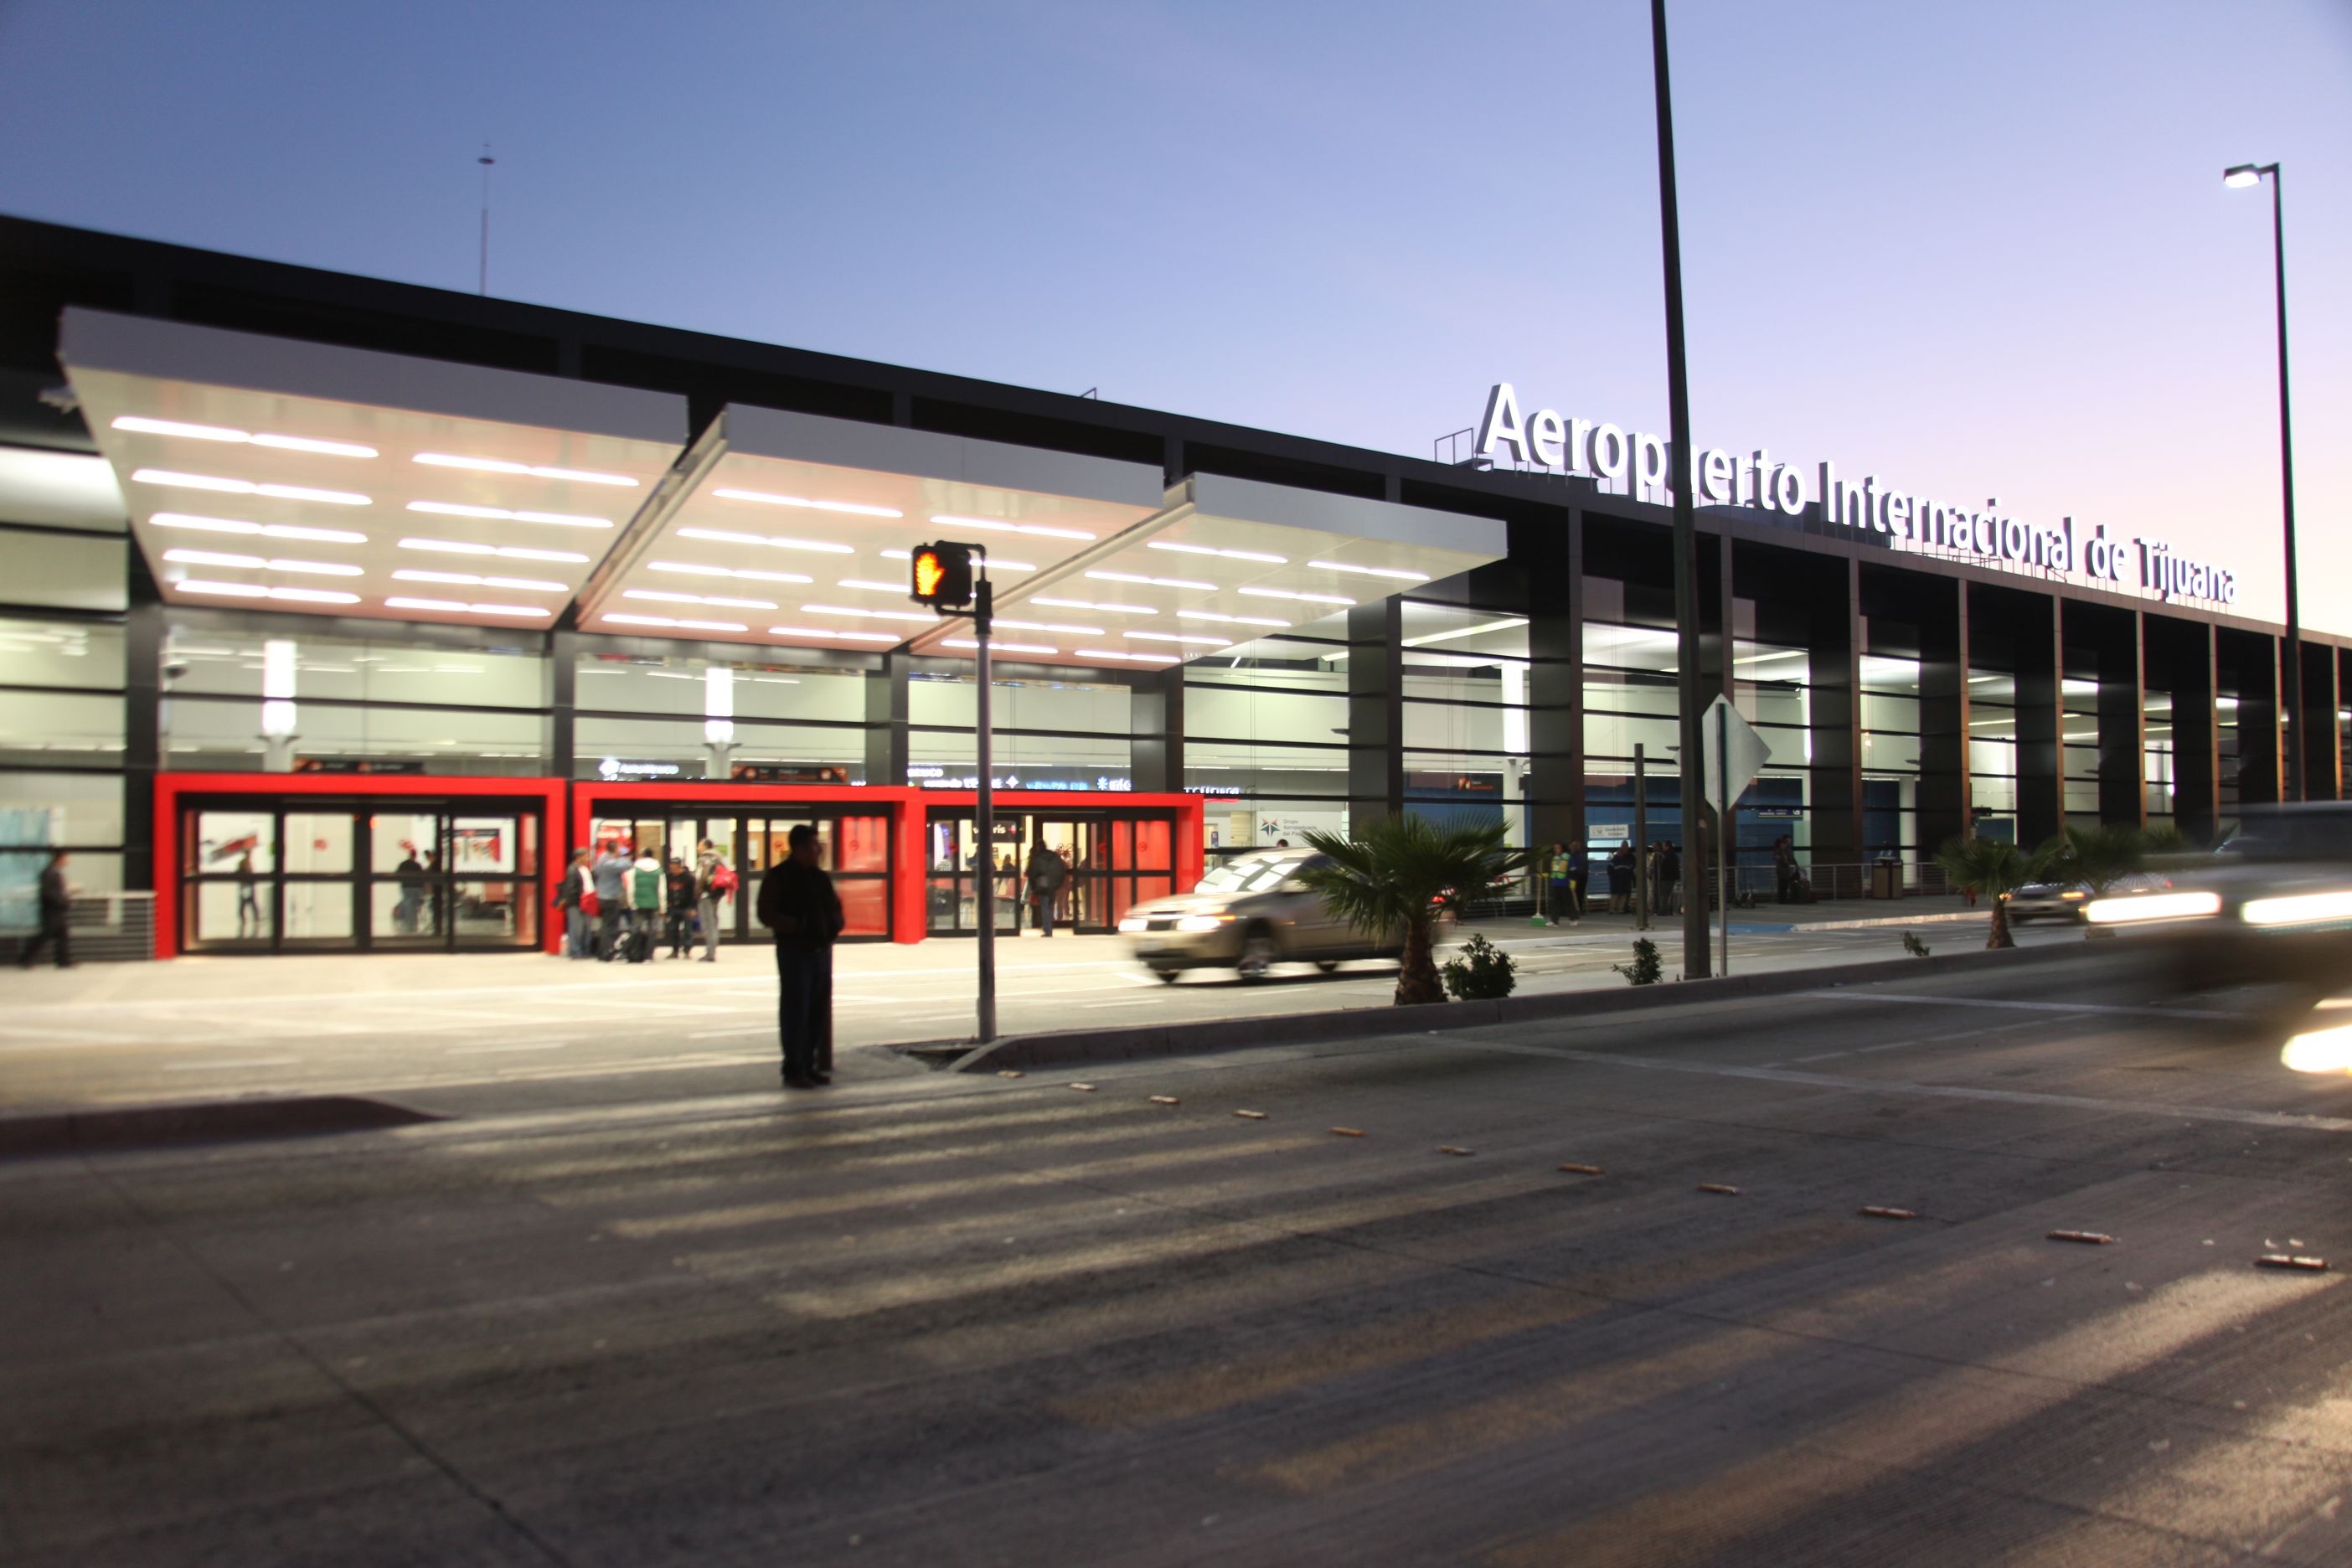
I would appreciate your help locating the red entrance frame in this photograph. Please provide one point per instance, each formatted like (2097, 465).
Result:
(170, 788)
(910, 810)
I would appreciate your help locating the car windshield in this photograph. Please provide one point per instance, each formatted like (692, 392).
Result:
(2292, 836)
(1253, 873)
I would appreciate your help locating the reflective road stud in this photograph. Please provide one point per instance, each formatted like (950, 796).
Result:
(1449, 1149)
(1084, 1087)
(1582, 1170)
(1011, 1072)
(2289, 1261)
(1251, 1115)
(1165, 1100)
(1349, 1131)
(1718, 1187)
(1874, 1212)
(2091, 1237)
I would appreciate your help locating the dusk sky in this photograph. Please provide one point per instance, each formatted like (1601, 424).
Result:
(1979, 250)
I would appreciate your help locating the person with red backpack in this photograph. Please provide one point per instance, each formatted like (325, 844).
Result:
(714, 881)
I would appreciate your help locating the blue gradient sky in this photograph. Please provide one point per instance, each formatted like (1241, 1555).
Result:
(1980, 249)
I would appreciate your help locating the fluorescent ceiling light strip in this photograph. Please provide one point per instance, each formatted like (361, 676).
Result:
(467, 580)
(872, 587)
(1052, 626)
(1153, 582)
(724, 536)
(837, 635)
(454, 608)
(764, 498)
(995, 647)
(1228, 554)
(1397, 573)
(257, 563)
(991, 563)
(500, 465)
(1120, 653)
(145, 427)
(1236, 620)
(1501, 625)
(501, 514)
(1303, 598)
(510, 551)
(994, 525)
(869, 614)
(1179, 636)
(670, 597)
(669, 621)
(255, 591)
(267, 529)
(746, 573)
(1098, 610)
(171, 479)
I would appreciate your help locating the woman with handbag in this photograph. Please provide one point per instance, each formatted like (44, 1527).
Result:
(714, 881)
(575, 895)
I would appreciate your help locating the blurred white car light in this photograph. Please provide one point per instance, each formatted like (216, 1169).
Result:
(2301, 909)
(2151, 907)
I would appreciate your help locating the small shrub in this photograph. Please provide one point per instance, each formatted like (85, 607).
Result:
(1482, 972)
(1646, 969)
(1913, 945)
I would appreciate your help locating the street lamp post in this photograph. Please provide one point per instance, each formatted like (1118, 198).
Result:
(2237, 178)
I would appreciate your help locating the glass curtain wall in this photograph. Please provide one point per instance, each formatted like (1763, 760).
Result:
(655, 715)
(1890, 758)
(1265, 738)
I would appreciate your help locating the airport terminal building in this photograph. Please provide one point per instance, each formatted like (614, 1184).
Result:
(336, 612)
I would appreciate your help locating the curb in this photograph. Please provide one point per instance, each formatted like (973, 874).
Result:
(1876, 922)
(1135, 1042)
(203, 1122)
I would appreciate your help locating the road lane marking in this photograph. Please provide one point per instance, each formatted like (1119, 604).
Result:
(230, 1067)
(2127, 1009)
(519, 1045)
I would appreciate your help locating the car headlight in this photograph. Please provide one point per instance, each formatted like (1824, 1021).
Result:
(1202, 922)
(2074, 893)
(2323, 1050)
(1134, 924)
(2151, 907)
(2300, 910)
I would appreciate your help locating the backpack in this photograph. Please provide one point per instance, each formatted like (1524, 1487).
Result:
(722, 879)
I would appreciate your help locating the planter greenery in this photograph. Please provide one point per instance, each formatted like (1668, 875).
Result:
(2097, 857)
(1646, 969)
(1392, 883)
(1482, 972)
(1991, 868)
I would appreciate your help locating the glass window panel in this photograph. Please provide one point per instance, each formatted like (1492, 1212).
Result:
(493, 910)
(60, 572)
(60, 653)
(949, 701)
(37, 727)
(1629, 648)
(318, 912)
(226, 733)
(679, 743)
(66, 808)
(231, 911)
(1301, 708)
(319, 842)
(484, 843)
(1900, 714)
(230, 843)
(201, 660)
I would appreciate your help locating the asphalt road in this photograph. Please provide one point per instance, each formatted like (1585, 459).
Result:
(513, 1032)
(937, 1320)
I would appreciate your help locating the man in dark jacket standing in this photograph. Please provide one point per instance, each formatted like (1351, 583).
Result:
(1046, 872)
(797, 902)
(56, 901)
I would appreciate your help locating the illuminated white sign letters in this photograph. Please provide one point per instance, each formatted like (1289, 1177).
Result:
(1641, 465)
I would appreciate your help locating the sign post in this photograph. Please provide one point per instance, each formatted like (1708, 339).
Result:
(1732, 754)
(1641, 837)
(943, 579)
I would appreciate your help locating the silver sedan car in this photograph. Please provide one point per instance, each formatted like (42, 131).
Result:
(1248, 914)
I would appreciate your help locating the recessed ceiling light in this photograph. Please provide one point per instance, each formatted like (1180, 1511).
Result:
(246, 487)
(1397, 573)
(133, 422)
(1234, 620)
(1153, 582)
(1051, 627)
(668, 621)
(255, 591)
(454, 608)
(1098, 610)
(723, 536)
(668, 597)
(992, 525)
(765, 498)
(746, 573)
(872, 587)
(836, 633)
(497, 466)
(869, 614)
(510, 551)
(1304, 598)
(1121, 653)
(1228, 554)
(267, 529)
(501, 514)
(256, 564)
(1179, 636)
(467, 580)
(995, 647)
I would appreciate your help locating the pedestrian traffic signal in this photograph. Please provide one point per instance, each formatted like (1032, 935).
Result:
(942, 575)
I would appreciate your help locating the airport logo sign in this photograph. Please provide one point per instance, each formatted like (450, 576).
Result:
(1641, 465)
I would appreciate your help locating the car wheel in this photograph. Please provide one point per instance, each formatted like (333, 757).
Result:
(1260, 954)
(1166, 976)
(1328, 965)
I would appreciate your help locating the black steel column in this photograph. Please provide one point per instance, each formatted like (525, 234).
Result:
(1155, 724)
(2252, 659)
(142, 737)
(1945, 799)
(1375, 712)
(1833, 682)
(2190, 665)
(2323, 758)
(2123, 722)
(1553, 559)
(886, 734)
(2041, 714)
(562, 730)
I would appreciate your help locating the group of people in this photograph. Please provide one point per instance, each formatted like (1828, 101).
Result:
(609, 897)
(421, 894)
(1660, 863)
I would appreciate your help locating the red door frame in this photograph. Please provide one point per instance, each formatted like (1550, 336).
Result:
(910, 810)
(170, 788)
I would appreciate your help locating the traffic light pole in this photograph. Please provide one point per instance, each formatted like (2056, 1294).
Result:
(984, 829)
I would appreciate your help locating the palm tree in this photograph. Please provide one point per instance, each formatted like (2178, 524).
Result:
(1991, 868)
(1399, 877)
(2097, 857)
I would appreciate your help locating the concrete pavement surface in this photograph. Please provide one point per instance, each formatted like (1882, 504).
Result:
(471, 1032)
(930, 1319)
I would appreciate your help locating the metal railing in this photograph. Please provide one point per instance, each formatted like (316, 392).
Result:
(105, 927)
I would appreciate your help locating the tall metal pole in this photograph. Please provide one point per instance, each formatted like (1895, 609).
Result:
(1687, 639)
(2294, 787)
(984, 829)
(483, 283)
(1641, 836)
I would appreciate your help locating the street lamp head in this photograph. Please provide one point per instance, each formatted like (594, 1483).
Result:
(2242, 175)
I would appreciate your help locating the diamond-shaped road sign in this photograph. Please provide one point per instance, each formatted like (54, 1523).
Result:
(1732, 751)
